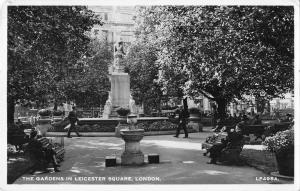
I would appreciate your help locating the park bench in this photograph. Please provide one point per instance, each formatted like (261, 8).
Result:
(276, 127)
(228, 124)
(281, 126)
(257, 131)
(59, 149)
(230, 153)
(39, 156)
(215, 138)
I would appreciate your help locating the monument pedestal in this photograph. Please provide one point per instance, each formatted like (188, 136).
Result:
(120, 89)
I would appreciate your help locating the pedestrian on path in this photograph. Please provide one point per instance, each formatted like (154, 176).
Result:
(73, 119)
(183, 116)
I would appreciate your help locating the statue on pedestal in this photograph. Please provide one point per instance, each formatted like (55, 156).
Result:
(118, 56)
(107, 107)
(132, 106)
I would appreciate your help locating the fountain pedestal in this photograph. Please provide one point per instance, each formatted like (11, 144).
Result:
(132, 154)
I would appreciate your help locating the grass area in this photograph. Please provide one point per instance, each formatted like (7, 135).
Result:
(260, 159)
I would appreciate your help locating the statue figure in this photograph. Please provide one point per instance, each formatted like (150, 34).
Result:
(132, 106)
(118, 56)
(107, 107)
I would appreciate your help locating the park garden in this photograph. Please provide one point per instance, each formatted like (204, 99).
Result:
(224, 53)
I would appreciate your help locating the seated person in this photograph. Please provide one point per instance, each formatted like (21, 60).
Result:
(244, 121)
(288, 118)
(19, 124)
(234, 138)
(213, 139)
(256, 120)
(215, 151)
(39, 152)
(219, 126)
(236, 119)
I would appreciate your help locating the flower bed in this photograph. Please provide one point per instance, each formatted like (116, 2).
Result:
(109, 126)
(282, 141)
(282, 144)
(123, 111)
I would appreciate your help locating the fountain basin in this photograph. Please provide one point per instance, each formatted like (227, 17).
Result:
(135, 135)
(132, 154)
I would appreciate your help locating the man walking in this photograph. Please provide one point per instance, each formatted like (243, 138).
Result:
(183, 116)
(73, 119)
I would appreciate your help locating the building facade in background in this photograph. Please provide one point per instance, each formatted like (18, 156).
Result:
(118, 23)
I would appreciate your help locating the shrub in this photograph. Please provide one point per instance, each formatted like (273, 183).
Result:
(162, 126)
(44, 112)
(281, 142)
(57, 113)
(123, 111)
(194, 110)
(168, 107)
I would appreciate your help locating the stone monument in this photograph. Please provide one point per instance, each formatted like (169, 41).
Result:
(120, 84)
(119, 96)
(132, 106)
(107, 107)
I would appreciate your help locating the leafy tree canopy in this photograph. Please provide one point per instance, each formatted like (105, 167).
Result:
(89, 85)
(223, 52)
(43, 43)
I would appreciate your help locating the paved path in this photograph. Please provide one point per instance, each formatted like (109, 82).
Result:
(181, 162)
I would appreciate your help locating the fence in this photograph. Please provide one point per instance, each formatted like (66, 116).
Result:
(94, 112)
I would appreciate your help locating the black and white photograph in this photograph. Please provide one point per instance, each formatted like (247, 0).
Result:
(143, 95)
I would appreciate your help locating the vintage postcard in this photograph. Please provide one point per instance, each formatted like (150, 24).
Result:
(150, 95)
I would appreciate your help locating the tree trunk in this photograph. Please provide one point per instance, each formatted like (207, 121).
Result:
(10, 110)
(55, 106)
(185, 104)
(221, 109)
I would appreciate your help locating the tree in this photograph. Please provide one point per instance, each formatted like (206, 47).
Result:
(225, 52)
(90, 85)
(44, 42)
(140, 64)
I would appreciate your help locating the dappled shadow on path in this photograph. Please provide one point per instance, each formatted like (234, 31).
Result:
(173, 144)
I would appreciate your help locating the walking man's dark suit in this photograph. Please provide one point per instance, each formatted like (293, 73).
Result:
(183, 117)
(73, 119)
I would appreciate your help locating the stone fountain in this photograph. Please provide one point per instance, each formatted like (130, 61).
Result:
(132, 137)
(119, 96)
